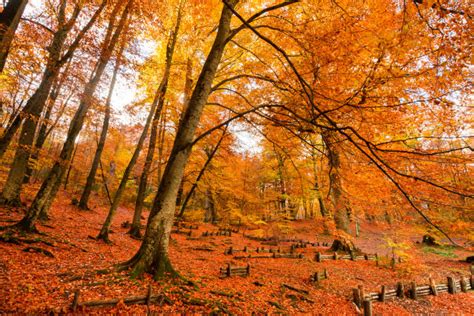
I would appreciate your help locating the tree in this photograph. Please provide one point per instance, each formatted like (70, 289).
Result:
(9, 20)
(152, 257)
(50, 186)
(83, 201)
(143, 183)
(35, 105)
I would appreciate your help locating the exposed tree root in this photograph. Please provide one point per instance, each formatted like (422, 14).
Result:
(39, 250)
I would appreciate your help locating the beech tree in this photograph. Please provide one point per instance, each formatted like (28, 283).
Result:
(50, 186)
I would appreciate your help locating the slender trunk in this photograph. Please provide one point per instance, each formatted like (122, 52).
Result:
(210, 156)
(339, 202)
(69, 168)
(43, 131)
(135, 228)
(103, 136)
(188, 85)
(211, 213)
(152, 257)
(9, 20)
(48, 190)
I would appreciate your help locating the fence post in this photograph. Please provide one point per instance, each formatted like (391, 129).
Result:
(326, 274)
(434, 290)
(245, 249)
(316, 277)
(451, 286)
(248, 268)
(148, 296)
(75, 300)
(414, 295)
(382, 294)
(318, 257)
(400, 290)
(377, 259)
(228, 272)
(357, 299)
(367, 308)
(362, 292)
(463, 284)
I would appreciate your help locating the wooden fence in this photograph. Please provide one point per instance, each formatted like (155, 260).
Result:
(273, 256)
(352, 256)
(363, 300)
(230, 271)
(318, 276)
(217, 233)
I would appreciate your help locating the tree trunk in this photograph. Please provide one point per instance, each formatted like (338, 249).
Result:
(50, 186)
(9, 20)
(210, 156)
(43, 131)
(135, 228)
(339, 202)
(103, 136)
(152, 257)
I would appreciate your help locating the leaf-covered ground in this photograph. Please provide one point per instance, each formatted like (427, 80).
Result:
(33, 282)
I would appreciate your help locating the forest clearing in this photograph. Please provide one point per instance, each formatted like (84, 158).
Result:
(236, 157)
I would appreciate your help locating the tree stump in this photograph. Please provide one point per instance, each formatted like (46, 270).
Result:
(429, 240)
(343, 245)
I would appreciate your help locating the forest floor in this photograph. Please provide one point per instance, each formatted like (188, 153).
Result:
(32, 282)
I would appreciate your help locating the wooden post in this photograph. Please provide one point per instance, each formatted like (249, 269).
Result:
(335, 255)
(362, 292)
(367, 308)
(414, 295)
(245, 249)
(366, 256)
(357, 298)
(377, 259)
(382, 294)
(75, 300)
(463, 284)
(434, 290)
(148, 297)
(318, 257)
(316, 276)
(248, 268)
(451, 286)
(228, 272)
(400, 290)
(326, 274)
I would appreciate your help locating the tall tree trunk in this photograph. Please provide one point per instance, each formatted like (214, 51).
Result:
(9, 20)
(36, 103)
(43, 131)
(103, 135)
(339, 202)
(50, 186)
(210, 206)
(210, 156)
(152, 257)
(135, 228)
(317, 191)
